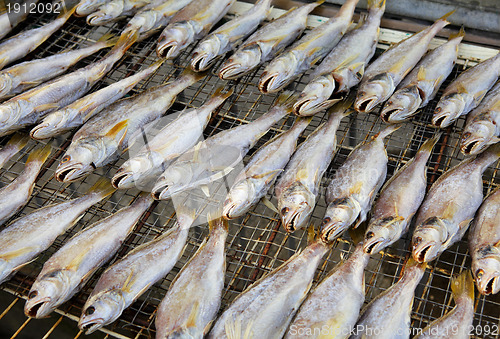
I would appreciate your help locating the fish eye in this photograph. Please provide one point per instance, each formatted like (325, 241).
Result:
(90, 310)
(389, 102)
(65, 159)
(466, 135)
(370, 235)
(326, 220)
(285, 210)
(361, 94)
(438, 110)
(32, 294)
(479, 273)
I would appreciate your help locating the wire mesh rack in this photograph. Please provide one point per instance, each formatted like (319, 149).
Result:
(256, 243)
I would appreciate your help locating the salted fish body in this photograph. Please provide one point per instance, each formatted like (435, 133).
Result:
(15, 144)
(114, 9)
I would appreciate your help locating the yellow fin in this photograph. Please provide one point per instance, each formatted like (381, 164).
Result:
(360, 65)
(271, 175)
(19, 139)
(302, 174)
(108, 40)
(450, 211)
(465, 223)
(376, 4)
(41, 154)
(421, 74)
(459, 34)
(357, 234)
(223, 93)
(311, 234)
(122, 126)
(14, 254)
(287, 99)
(191, 322)
(128, 282)
(356, 188)
(396, 67)
(46, 107)
(76, 262)
(480, 95)
(438, 80)
(346, 62)
(429, 144)
(217, 223)
(102, 186)
(463, 284)
(445, 17)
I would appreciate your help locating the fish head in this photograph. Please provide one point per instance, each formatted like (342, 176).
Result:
(486, 270)
(295, 206)
(172, 181)
(314, 97)
(448, 109)
(427, 240)
(85, 7)
(477, 136)
(107, 12)
(206, 54)
(401, 105)
(340, 214)
(5, 83)
(239, 199)
(11, 111)
(131, 171)
(77, 163)
(240, 63)
(100, 310)
(380, 233)
(46, 293)
(278, 74)
(373, 91)
(174, 39)
(53, 124)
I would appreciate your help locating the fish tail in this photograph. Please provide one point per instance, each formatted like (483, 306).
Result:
(429, 144)
(19, 140)
(67, 13)
(344, 107)
(191, 76)
(286, 100)
(102, 187)
(318, 3)
(108, 40)
(444, 19)
(216, 223)
(40, 154)
(387, 131)
(155, 65)
(126, 40)
(222, 94)
(144, 198)
(462, 286)
(376, 4)
(460, 34)
(412, 264)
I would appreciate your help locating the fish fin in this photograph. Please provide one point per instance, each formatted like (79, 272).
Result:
(41, 154)
(438, 80)
(286, 99)
(313, 51)
(302, 174)
(24, 264)
(46, 107)
(269, 205)
(196, 152)
(462, 285)
(214, 223)
(421, 73)
(205, 190)
(30, 83)
(191, 321)
(192, 76)
(125, 40)
(376, 4)
(346, 62)
(357, 234)
(387, 131)
(461, 88)
(108, 40)
(450, 211)
(311, 234)
(396, 67)
(445, 17)
(102, 186)
(429, 144)
(319, 2)
(19, 139)
(360, 65)
(86, 108)
(465, 223)
(356, 188)
(271, 175)
(77, 260)
(120, 127)
(223, 93)
(128, 282)
(459, 34)
(67, 14)
(481, 95)
(13, 254)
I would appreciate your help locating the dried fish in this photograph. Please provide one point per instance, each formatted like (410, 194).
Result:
(86, 7)
(484, 244)
(80, 111)
(127, 279)
(466, 91)
(217, 156)
(106, 135)
(26, 237)
(298, 187)
(10, 19)
(194, 297)
(450, 205)
(421, 85)
(16, 194)
(307, 51)
(354, 186)
(169, 143)
(483, 124)
(344, 67)
(226, 37)
(15, 144)
(192, 23)
(398, 201)
(387, 71)
(267, 42)
(114, 9)
(67, 270)
(262, 170)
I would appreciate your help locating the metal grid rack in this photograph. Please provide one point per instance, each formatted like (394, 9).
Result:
(256, 243)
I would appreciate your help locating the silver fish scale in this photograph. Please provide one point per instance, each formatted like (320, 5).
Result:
(256, 243)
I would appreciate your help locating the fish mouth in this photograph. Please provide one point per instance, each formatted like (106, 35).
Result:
(443, 120)
(97, 19)
(388, 114)
(290, 225)
(489, 288)
(420, 252)
(122, 180)
(167, 50)
(201, 63)
(306, 106)
(71, 174)
(231, 71)
(91, 326)
(366, 105)
(373, 245)
(39, 132)
(267, 84)
(331, 230)
(37, 310)
(227, 211)
(472, 146)
(161, 191)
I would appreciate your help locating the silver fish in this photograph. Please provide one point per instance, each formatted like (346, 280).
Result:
(267, 42)
(16, 194)
(457, 323)
(450, 205)
(148, 20)
(261, 171)
(86, 7)
(9, 20)
(483, 124)
(67, 270)
(217, 156)
(266, 308)
(226, 37)
(354, 186)
(194, 297)
(28, 107)
(298, 187)
(344, 67)
(26, 237)
(386, 72)
(15, 144)
(335, 303)
(80, 111)
(28, 74)
(127, 279)
(106, 135)
(398, 201)
(388, 316)
(192, 23)
(421, 85)
(484, 244)
(25, 42)
(307, 51)
(169, 143)
(114, 9)
(466, 91)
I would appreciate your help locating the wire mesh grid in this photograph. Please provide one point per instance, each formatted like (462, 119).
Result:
(257, 242)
